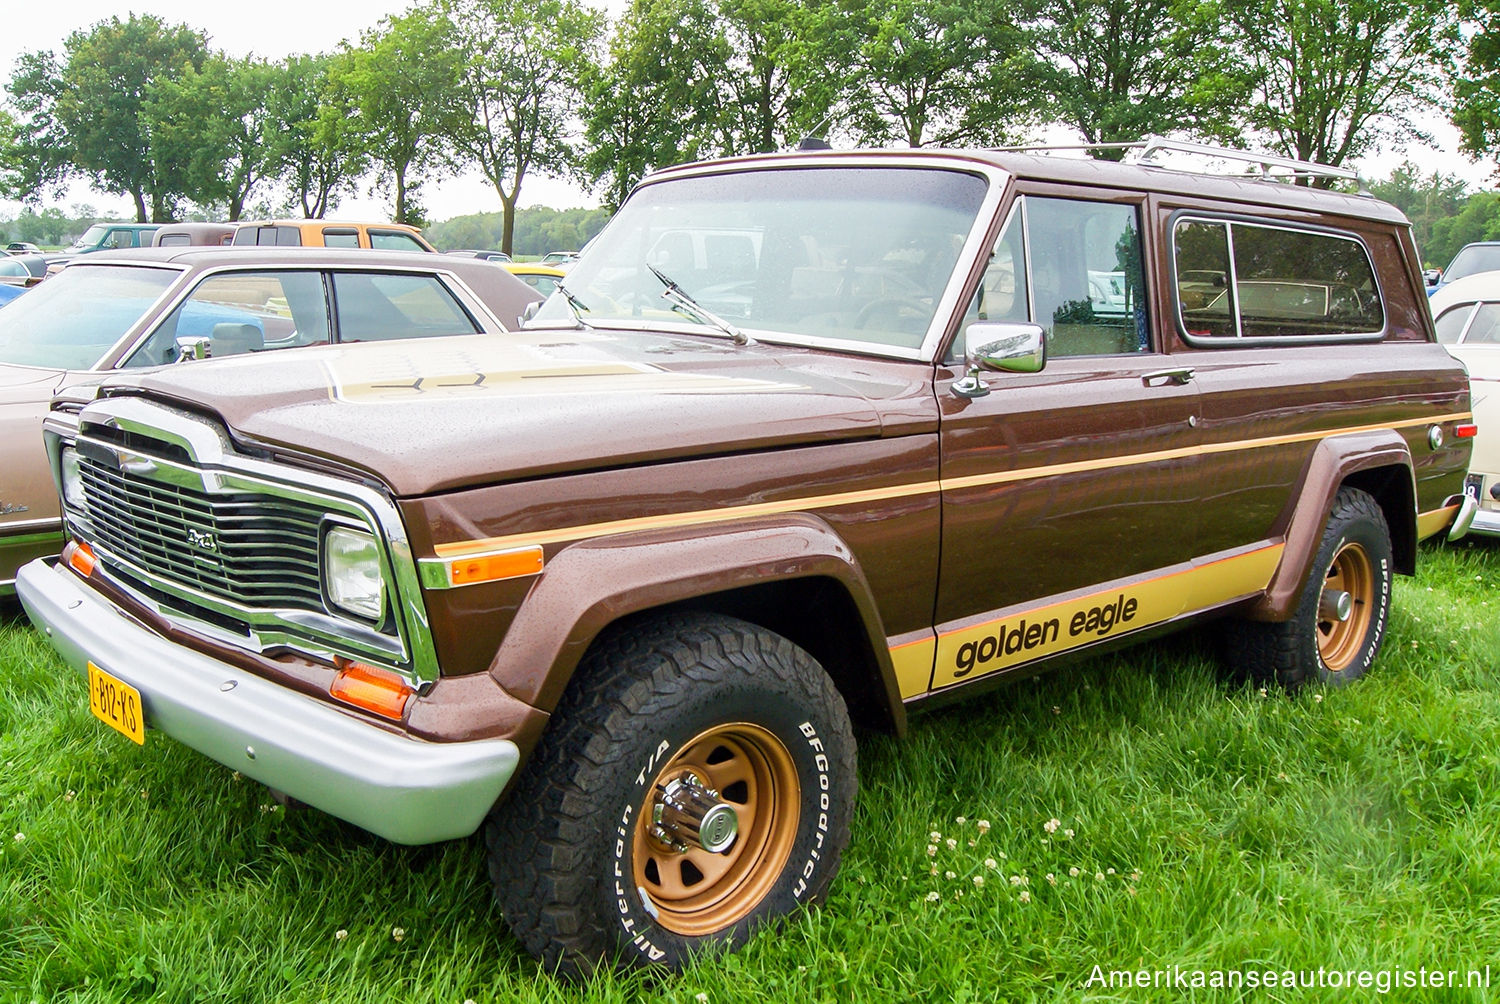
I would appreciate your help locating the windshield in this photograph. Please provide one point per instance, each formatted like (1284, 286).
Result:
(93, 235)
(71, 320)
(854, 254)
(1472, 260)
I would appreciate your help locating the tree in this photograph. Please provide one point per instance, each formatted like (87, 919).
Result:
(1476, 85)
(650, 105)
(309, 140)
(1425, 199)
(741, 76)
(211, 122)
(1120, 70)
(521, 66)
(399, 90)
(936, 72)
(1329, 78)
(85, 115)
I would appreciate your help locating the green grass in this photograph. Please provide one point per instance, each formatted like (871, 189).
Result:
(1348, 829)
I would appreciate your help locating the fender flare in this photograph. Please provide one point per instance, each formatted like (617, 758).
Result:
(1330, 465)
(589, 585)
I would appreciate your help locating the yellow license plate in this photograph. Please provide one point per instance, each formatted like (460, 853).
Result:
(116, 704)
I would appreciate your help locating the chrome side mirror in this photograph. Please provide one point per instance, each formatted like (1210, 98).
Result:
(1007, 346)
(193, 347)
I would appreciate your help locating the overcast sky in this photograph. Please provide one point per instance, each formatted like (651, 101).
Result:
(277, 28)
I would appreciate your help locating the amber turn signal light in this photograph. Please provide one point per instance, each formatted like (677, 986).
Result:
(377, 690)
(79, 557)
(493, 567)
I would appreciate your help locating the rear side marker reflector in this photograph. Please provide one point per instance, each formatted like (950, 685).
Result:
(1466, 431)
(369, 687)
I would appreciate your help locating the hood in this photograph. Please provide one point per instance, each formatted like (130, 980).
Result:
(28, 383)
(435, 414)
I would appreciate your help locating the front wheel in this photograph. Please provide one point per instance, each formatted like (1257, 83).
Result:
(698, 782)
(1336, 630)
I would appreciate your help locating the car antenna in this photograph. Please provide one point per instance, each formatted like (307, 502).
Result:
(812, 141)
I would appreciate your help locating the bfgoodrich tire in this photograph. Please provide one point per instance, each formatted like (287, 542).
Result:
(1316, 644)
(689, 721)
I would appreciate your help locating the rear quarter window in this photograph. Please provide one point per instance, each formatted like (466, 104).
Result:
(1237, 280)
(376, 307)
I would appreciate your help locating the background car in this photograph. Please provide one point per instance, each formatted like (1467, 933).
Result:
(150, 306)
(542, 278)
(480, 253)
(331, 234)
(1467, 313)
(22, 247)
(559, 259)
(1480, 256)
(193, 234)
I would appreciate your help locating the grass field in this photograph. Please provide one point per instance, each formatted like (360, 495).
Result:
(1138, 810)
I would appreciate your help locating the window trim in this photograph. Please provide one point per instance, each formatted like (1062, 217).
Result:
(1239, 340)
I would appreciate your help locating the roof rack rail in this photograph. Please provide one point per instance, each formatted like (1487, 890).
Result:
(1147, 151)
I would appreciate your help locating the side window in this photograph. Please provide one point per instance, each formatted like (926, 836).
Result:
(286, 237)
(1486, 327)
(1087, 285)
(1277, 282)
(117, 239)
(1450, 326)
(394, 240)
(1002, 292)
(374, 306)
(243, 312)
(340, 237)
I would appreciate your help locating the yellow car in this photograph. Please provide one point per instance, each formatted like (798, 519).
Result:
(331, 233)
(542, 278)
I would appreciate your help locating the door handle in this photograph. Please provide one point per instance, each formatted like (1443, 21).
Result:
(1177, 377)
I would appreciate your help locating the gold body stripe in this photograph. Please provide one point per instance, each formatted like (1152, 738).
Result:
(1429, 523)
(968, 652)
(703, 517)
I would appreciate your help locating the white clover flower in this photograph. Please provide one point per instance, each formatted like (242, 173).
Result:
(1025, 896)
(934, 836)
(1073, 872)
(1056, 710)
(961, 820)
(991, 864)
(1318, 698)
(949, 875)
(931, 850)
(1109, 871)
(933, 896)
(984, 826)
(1068, 833)
(701, 998)
(1051, 825)
(398, 933)
(979, 880)
(20, 838)
(952, 843)
(340, 934)
(1051, 879)
(1099, 876)
(70, 795)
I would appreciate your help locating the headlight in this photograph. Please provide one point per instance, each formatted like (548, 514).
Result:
(72, 481)
(351, 573)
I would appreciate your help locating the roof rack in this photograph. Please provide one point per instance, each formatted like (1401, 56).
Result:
(1267, 166)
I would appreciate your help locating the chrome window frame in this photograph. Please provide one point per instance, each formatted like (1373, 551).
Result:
(1239, 339)
(950, 303)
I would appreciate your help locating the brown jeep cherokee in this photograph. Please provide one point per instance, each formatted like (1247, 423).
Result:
(806, 440)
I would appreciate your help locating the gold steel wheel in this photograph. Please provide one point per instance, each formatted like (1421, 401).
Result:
(697, 892)
(1341, 641)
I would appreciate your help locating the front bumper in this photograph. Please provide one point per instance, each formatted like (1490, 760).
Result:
(405, 790)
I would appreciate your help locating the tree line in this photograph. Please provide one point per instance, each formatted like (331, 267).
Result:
(519, 88)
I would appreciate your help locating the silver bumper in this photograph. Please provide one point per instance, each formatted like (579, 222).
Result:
(402, 789)
(1486, 521)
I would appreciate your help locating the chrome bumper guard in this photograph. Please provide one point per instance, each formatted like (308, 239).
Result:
(405, 790)
(1468, 509)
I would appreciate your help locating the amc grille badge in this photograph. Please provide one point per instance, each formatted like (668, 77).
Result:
(203, 540)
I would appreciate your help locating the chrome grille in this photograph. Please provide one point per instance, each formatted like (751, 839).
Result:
(244, 547)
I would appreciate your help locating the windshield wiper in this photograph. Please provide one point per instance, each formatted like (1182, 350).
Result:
(577, 306)
(681, 299)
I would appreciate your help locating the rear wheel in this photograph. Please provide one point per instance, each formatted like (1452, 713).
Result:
(1336, 630)
(697, 782)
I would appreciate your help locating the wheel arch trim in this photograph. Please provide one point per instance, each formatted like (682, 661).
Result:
(593, 584)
